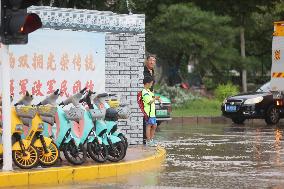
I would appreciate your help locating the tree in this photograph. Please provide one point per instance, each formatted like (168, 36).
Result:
(240, 12)
(203, 37)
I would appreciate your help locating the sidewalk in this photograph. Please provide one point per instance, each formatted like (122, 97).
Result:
(138, 158)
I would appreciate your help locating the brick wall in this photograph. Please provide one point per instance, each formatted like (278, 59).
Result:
(125, 53)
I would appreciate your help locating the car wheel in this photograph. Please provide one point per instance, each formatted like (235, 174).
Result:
(272, 115)
(238, 120)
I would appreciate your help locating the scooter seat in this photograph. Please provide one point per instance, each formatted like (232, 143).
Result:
(111, 115)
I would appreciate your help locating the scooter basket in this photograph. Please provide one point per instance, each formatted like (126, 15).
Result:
(26, 112)
(123, 112)
(96, 114)
(113, 103)
(111, 115)
(75, 114)
(48, 111)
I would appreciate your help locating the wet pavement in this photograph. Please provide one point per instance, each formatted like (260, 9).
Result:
(210, 156)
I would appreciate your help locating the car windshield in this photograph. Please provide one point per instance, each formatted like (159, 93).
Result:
(264, 88)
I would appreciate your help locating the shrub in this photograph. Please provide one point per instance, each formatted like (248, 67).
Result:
(223, 91)
(177, 95)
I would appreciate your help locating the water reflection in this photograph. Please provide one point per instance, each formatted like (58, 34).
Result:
(223, 156)
(212, 156)
(277, 146)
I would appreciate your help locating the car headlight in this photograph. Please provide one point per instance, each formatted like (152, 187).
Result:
(254, 100)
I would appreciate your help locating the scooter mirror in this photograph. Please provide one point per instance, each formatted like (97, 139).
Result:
(57, 92)
(83, 90)
(86, 95)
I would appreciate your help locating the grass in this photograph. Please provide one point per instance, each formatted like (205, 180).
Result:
(198, 107)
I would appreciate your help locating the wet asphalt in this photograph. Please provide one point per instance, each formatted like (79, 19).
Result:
(209, 156)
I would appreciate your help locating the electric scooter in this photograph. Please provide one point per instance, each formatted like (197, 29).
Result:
(116, 147)
(48, 151)
(94, 131)
(74, 151)
(111, 116)
(59, 127)
(24, 154)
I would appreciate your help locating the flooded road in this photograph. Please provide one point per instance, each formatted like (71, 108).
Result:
(223, 156)
(210, 156)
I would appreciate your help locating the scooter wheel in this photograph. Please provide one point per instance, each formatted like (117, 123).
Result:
(28, 160)
(125, 143)
(73, 154)
(116, 152)
(98, 152)
(124, 140)
(49, 158)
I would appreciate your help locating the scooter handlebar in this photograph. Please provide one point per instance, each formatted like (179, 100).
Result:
(75, 99)
(102, 95)
(112, 94)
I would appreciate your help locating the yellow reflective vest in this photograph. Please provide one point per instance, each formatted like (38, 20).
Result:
(149, 107)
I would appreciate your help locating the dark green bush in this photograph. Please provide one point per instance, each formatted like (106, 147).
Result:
(209, 83)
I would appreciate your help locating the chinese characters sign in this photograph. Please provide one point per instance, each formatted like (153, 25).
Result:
(56, 59)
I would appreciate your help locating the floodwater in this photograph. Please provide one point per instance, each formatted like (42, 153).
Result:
(210, 156)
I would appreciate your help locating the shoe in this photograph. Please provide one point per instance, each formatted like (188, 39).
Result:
(152, 143)
(147, 143)
(155, 142)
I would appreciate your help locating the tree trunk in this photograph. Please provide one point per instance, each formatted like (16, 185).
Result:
(243, 55)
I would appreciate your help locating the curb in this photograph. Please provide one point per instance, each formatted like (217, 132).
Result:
(67, 174)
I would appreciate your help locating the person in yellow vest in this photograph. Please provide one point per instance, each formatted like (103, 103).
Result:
(149, 107)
